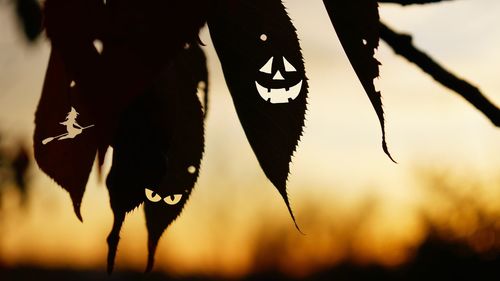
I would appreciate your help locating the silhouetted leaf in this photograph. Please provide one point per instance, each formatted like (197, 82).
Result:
(356, 24)
(262, 63)
(157, 151)
(113, 51)
(65, 158)
(74, 28)
(136, 41)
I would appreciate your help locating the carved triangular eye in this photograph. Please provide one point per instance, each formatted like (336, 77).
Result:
(288, 66)
(268, 67)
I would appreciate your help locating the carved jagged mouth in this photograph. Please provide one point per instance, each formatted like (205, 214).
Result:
(280, 95)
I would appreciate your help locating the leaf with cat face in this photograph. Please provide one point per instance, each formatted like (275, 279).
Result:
(157, 151)
(65, 138)
(357, 26)
(186, 145)
(101, 47)
(260, 55)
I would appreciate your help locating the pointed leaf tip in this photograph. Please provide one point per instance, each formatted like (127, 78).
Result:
(152, 244)
(357, 27)
(282, 190)
(386, 151)
(77, 209)
(66, 155)
(290, 211)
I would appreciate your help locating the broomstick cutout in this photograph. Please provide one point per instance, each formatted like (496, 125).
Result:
(72, 127)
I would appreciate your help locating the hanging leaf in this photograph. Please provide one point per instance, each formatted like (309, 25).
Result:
(114, 51)
(65, 136)
(158, 150)
(117, 49)
(262, 63)
(76, 28)
(186, 147)
(357, 26)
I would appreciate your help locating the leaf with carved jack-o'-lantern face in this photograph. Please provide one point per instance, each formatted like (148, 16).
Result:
(263, 67)
(158, 150)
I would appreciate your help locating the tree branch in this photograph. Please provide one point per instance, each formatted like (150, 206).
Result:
(411, 2)
(402, 45)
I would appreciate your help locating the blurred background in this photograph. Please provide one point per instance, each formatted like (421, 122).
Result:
(435, 215)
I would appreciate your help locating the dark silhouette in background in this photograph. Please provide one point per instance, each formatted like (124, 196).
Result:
(435, 259)
(30, 18)
(15, 162)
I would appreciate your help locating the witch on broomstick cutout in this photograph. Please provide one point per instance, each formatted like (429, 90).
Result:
(72, 127)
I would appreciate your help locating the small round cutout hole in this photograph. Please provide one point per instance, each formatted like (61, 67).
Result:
(191, 169)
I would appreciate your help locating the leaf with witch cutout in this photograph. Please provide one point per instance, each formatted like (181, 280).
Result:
(262, 62)
(66, 160)
(357, 26)
(118, 48)
(114, 50)
(158, 150)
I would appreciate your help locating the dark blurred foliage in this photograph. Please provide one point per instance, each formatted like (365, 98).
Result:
(462, 240)
(14, 164)
(453, 248)
(30, 18)
(461, 211)
(436, 259)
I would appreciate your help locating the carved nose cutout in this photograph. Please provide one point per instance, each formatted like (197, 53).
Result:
(278, 76)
